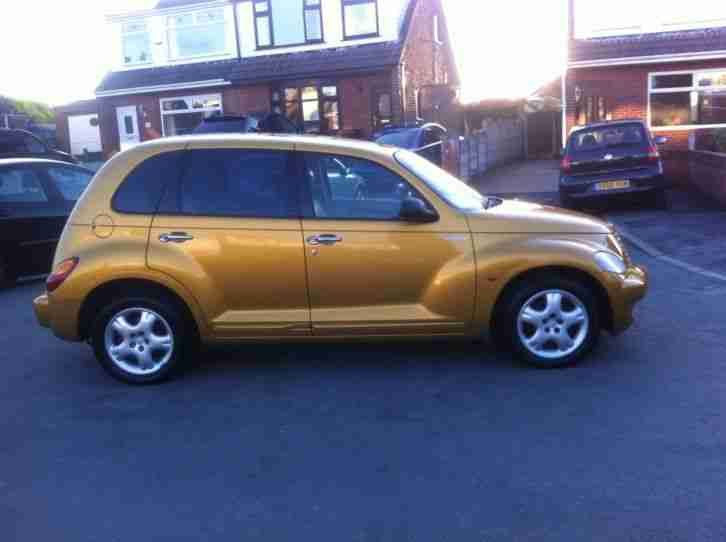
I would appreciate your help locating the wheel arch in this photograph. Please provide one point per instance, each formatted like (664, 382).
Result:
(604, 305)
(107, 291)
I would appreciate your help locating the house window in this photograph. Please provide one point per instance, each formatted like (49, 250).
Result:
(383, 110)
(685, 99)
(136, 43)
(282, 23)
(202, 33)
(179, 116)
(591, 109)
(315, 107)
(360, 18)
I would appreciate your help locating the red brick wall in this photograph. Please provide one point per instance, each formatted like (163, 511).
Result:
(357, 102)
(625, 89)
(423, 61)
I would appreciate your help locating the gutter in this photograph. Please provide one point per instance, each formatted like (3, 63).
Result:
(163, 88)
(650, 59)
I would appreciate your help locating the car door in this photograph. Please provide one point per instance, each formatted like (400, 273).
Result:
(230, 232)
(371, 273)
(28, 220)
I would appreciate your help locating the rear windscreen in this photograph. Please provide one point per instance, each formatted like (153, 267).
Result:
(605, 137)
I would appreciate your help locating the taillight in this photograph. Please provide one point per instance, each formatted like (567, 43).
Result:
(653, 154)
(566, 164)
(60, 273)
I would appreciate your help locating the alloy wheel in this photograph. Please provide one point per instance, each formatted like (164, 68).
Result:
(139, 341)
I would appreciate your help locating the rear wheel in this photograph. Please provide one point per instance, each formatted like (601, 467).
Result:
(550, 322)
(141, 340)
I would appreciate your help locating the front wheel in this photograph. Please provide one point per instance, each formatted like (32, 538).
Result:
(551, 323)
(140, 340)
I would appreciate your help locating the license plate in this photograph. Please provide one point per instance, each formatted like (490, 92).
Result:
(612, 185)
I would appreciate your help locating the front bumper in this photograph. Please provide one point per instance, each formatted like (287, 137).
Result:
(625, 291)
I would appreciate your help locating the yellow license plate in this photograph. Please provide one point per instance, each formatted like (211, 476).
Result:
(612, 185)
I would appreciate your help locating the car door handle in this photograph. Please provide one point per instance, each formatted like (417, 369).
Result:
(324, 239)
(175, 237)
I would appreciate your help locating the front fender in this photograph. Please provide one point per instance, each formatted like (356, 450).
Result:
(501, 258)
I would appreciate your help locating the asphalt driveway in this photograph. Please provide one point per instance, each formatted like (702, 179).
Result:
(419, 442)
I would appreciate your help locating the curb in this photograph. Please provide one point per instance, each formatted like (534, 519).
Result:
(653, 252)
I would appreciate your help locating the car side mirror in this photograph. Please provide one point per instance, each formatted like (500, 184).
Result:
(415, 210)
(662, 140)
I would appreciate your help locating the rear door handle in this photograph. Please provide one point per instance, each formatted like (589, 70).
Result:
(175, 237)
(324, 239)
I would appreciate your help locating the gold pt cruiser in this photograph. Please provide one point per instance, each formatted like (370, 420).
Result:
(289, 238)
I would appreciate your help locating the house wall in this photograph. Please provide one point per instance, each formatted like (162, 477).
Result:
(423, 62)
(629, 99)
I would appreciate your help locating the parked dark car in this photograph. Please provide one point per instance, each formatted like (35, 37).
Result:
(270, 123)
(23, 144)
(36, 197)
(426, 140)
(605, 159)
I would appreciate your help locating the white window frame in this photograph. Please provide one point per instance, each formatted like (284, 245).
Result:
(162, 101)
(690, 90)
(147, 32)
(171, 28)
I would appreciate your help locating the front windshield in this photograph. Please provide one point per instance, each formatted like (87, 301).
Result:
(448, 187)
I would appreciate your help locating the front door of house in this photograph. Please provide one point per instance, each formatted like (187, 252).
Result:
(128, 127)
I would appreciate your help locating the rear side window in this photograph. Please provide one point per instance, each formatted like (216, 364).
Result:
(235, 183)
(608, 137)
(141, 191)
(70, 181)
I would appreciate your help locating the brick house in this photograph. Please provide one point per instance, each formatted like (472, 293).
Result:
(658, 61)
(345, 67)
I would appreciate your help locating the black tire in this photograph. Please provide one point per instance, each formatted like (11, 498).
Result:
(184, 337)
(507, 328)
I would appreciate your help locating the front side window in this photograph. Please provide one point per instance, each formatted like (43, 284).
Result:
(196, 34)
(314, 107)
(236, 183)
(360, 18)
(21, 185)
(282, 23)
(181, 115)
(345, 188)
(688, 99)
(70, 181)
(135, 43)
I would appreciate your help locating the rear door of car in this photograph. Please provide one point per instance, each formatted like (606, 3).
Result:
(229, 230)
(29, 215)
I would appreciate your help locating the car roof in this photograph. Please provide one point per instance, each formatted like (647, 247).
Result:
(609, 123)
(326, 144)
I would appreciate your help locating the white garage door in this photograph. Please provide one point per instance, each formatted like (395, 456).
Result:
(84, 133)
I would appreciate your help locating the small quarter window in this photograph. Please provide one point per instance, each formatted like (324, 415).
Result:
(141, 191)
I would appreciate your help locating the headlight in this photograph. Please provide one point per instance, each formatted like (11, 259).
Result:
(612, 263)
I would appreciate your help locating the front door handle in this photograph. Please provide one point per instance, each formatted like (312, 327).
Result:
(175, 237)
(324, 239)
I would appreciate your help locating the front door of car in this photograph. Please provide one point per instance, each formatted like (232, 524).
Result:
(229, 231)
(370, 273)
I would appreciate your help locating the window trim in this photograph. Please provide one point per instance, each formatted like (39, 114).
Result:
(270, 16)
(162, 101)
(683, 90)
(307, 208)
(171, 28)
(376, 34)
(322, 99)
(145, 32)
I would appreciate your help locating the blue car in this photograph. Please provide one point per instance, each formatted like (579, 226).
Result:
(425, 139)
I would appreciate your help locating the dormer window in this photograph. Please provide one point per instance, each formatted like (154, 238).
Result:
(136, 44)
(202, 33)
(284, 23)
(360, 19)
